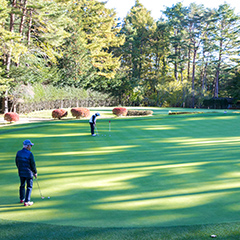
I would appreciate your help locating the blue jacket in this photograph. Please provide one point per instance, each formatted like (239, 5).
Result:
(93, 119)
(25, 163)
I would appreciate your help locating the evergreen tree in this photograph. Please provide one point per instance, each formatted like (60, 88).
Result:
(177, 20)
(233, 85)
(160, 47)
(75, 67)
(138, 29)
(227, 41)
(199, 20)
(88, 59)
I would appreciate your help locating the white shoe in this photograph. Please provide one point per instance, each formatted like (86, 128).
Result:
(93, 135)
(28, 204)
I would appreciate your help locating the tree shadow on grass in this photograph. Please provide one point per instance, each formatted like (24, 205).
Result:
(17, 230)
(161, 181)
(126, 197)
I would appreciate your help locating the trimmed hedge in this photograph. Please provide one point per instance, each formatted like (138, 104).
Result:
(80, 112)
(177, 113)
(139, 112)
(120, 111)
(59, 113)
(11, 117)
(217, 103)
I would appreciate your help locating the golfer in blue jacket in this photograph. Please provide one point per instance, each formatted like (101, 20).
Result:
(92, 122)
(26, 170)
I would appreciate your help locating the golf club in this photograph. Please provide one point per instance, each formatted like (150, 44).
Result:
(39, 189)
(96, 130)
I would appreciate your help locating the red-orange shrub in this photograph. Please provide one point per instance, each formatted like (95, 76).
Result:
(11, 117)
(120, 111)
(59, 113)
(80, 112)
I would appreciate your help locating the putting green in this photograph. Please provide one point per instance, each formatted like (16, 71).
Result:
(155, 171)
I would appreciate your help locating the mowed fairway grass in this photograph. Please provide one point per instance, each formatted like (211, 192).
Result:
(158, 177)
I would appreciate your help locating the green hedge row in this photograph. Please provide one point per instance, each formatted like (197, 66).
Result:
(139, 112)
(177, 113)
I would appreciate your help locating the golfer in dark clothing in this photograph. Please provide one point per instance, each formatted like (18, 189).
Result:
(26, 170)
(92, 123)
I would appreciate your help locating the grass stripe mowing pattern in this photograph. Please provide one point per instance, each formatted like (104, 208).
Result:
(163, 171)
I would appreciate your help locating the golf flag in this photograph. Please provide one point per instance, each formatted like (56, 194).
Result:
(109, 126)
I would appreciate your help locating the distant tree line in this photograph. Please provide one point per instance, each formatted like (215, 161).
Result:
(185, 58)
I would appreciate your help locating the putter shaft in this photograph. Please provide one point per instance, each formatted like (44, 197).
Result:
(96, 130)
(39, 188)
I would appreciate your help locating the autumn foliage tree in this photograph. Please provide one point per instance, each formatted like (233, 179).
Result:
(32, 32)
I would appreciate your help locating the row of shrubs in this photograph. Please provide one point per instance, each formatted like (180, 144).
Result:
(82, 112)
(76, 112)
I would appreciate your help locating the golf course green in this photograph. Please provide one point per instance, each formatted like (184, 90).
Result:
(156, 177)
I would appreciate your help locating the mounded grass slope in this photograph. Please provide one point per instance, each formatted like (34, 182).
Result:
(160, 171)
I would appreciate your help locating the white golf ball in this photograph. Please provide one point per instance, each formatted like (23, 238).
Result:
(48, 197)
(42, 197)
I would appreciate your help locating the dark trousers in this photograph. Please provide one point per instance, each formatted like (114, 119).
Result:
(29, 182)
(92, 128)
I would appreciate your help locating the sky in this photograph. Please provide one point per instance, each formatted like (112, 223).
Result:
(122, 7)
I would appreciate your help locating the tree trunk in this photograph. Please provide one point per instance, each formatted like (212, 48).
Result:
(193, 75)
(175, 66)
(217, 82)
(9, 54)
(12, 20)
(23, 17)
(216, 90)
(203, 72)
(29, 28)
(6, 101)
(204, 76)
(181, 75)
(189, 64)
